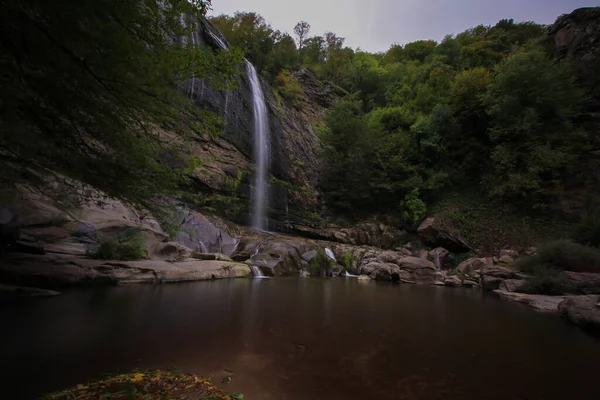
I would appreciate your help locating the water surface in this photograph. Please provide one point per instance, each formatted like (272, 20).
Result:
(302, 339)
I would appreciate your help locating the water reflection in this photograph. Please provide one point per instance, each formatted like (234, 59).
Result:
(297, 339)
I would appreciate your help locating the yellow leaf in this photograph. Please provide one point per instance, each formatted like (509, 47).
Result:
(137, 378)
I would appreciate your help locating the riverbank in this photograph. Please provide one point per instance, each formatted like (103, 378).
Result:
(146, 385)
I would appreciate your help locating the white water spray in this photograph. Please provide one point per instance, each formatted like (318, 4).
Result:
(330, 254)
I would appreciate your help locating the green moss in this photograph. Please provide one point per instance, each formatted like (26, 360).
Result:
(146, 385)
(320, 264)
(127, 246)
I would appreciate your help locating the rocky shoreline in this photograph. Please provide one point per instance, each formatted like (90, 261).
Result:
(51, 249)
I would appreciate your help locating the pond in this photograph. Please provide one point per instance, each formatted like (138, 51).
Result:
(301, 339)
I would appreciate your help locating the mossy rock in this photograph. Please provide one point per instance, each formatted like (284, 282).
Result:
(146, 385)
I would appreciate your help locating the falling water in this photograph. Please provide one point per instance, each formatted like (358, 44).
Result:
(256, 272)
(330, 254)
(261, 151)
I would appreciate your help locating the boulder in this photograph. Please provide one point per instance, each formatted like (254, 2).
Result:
(509, 253)
(437, 232)
(506, 260)
(420, 270)
(471, 266)
(453, 281)
(581, 310)
(582, 282)
(513, 285)
(493, 276)
(364, 278)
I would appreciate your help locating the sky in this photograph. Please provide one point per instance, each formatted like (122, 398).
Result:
(373, 25)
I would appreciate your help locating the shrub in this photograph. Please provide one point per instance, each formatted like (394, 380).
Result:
(288, 87)
(563, 255)
(128, 245)
(546, 281)
(587, 231)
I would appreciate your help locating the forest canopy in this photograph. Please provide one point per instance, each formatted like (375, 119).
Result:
(489, 109)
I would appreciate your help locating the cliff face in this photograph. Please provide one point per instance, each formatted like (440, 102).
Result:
(229, 167)
(575, 38)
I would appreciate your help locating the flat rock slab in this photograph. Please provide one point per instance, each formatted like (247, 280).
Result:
(59, 269)
(10, 292)
(541, 303)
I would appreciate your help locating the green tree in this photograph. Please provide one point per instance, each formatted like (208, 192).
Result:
(533, 102)
(84, 88)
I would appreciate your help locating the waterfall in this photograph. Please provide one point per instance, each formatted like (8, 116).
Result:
(330, 254)
(261, 151)
(256, 272)
(348, 275)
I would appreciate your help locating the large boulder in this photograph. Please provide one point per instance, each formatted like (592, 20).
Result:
(395, 266)
(581, 310)
(491, 277)
(582, 282)
(438, 232)
(513, 285)
(471, 266)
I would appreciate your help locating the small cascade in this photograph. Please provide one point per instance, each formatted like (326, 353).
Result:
(347, 275)
(330, 254)
(256, 272)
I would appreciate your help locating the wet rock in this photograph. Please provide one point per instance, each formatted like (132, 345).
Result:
(437, 232)
(364, 278)
(581, 310)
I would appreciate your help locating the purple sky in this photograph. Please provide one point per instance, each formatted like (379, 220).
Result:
(375, 24)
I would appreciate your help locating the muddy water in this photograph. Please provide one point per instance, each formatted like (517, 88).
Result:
(302, 339)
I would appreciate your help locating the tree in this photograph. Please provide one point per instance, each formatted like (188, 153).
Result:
(301, 30)
(533, 102)
(85, 87)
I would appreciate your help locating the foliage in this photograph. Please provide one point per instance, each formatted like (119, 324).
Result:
(289, 88)
(587, 232)
(320, 264)
(146, 385)
(413, 206)
(562, 255)
(128, 245)
(547, 281)
(533, 101)
(86, 89)
(269, 50)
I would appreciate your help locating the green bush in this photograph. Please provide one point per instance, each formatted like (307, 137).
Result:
(129, 245)
(288, 87)
(546, 281)
(587, 231)
(562, 255)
